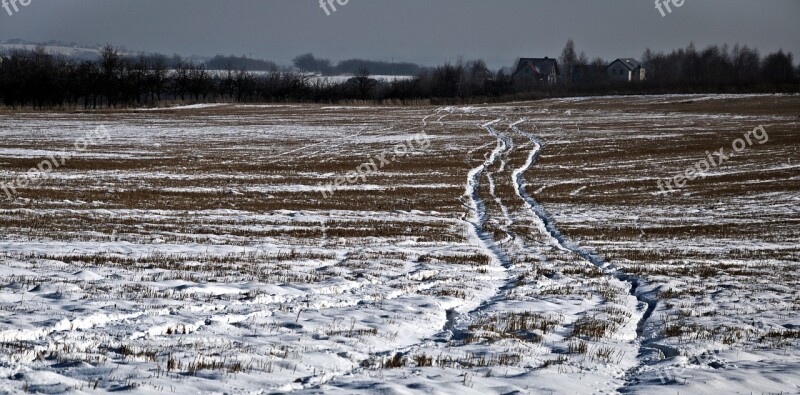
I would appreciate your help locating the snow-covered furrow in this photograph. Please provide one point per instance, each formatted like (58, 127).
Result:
(80, 323)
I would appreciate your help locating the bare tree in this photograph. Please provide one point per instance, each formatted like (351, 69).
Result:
(746, 63)
(110, 67)
(307, 62)
(583, 60)
(778, 68)
(477, 75)
(158, 76)
(569, 58)
(364, 83)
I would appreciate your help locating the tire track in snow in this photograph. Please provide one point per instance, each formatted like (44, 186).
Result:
(560, 242)
(316, 381)
(492, 187)
(543, 221)
(476, 217)
(475, 220)
(475, 224)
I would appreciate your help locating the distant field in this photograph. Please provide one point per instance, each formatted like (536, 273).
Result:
(524, 247)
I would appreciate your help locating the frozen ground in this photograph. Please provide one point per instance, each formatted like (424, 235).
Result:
(525, 249)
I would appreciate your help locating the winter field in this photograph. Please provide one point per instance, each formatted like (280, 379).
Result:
(526, 248)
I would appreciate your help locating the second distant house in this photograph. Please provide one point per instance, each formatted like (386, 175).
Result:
(625, 69)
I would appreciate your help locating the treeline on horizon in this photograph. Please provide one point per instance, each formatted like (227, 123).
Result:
(41, 80)
(311, 64)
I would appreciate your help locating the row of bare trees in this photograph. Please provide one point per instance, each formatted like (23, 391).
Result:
(713, 68)
(41, 80)
(720, 67)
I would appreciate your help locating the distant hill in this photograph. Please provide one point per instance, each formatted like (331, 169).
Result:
(74, 52)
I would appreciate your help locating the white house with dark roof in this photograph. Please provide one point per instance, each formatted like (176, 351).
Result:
(626, 69)
(543, 70)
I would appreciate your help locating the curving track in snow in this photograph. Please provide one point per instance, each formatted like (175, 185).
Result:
(647, 303)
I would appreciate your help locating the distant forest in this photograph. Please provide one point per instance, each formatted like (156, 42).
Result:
(35, 78)
(311, 64)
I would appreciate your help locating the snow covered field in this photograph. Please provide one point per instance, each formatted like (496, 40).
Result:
(527, 249)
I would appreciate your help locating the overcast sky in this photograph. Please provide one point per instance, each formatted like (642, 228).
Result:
(423, 31)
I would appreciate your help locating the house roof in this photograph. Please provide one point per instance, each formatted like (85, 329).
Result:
(630, 63)
(538, 65)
